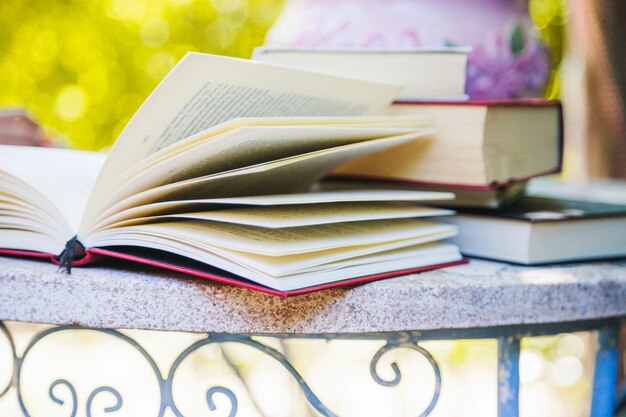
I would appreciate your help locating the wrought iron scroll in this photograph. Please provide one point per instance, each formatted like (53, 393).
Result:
(391, 345)
(62, 391)
(19, 361)
(7, 335)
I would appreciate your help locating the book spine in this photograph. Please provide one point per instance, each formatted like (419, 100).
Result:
(561, 137)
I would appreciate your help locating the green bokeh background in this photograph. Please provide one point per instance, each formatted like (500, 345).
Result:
(83, 67)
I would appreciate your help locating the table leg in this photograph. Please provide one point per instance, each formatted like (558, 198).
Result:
(605, 372)
(508, 376)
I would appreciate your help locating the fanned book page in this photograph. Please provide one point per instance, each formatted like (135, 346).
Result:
(229, 245)
(218, 170)
(203, 91)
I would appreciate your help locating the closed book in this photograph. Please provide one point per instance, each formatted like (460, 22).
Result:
(475, 145)
(433, 73)
(539, 230)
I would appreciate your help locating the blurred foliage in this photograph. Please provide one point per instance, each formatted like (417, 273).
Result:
(550, 17)
(83, 67)
(564, 363)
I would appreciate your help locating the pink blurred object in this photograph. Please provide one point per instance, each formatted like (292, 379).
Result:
(508, 60)
(18, 128)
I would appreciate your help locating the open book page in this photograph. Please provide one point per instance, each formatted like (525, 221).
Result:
(293, 264)
(294, 174)
(53, 185)
(277, 242)
(205, 90)
(334, 197)
(20, 211)
(326, 197)
(276, 217)
(240, 148)
(413, 257)
(193, 142)
(28, 240)
(25, 217)
(276, 266)
(229, 246)
(398, 260)
(220, 148)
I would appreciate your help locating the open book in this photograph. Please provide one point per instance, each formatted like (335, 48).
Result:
(213, 176)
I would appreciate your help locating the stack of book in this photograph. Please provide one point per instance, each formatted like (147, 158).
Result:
(482, 151)
(218, 175)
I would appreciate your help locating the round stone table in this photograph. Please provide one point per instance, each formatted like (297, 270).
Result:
(478, 295)
(479, 300)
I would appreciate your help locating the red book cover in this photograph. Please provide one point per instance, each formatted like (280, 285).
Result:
(194, 268)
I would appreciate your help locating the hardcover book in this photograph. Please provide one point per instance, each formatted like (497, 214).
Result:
(433, 73)
(212, 176)
(538, 230)
(477, 145)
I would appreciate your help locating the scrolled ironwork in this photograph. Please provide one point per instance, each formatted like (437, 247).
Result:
(394, 344)
(273, 353)
(60, 401)
(109, 409)
(231, 396)
(7, 335)
(19, 362)
(165, 383)
(54, 397)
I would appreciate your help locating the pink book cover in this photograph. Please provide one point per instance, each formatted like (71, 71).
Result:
(488, 103)
(194, 268)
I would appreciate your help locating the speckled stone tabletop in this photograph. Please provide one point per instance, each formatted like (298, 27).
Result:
(480, 294)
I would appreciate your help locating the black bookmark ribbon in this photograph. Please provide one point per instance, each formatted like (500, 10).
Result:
(73, 250)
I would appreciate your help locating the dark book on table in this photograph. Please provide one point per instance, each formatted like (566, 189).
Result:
(538, 230)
